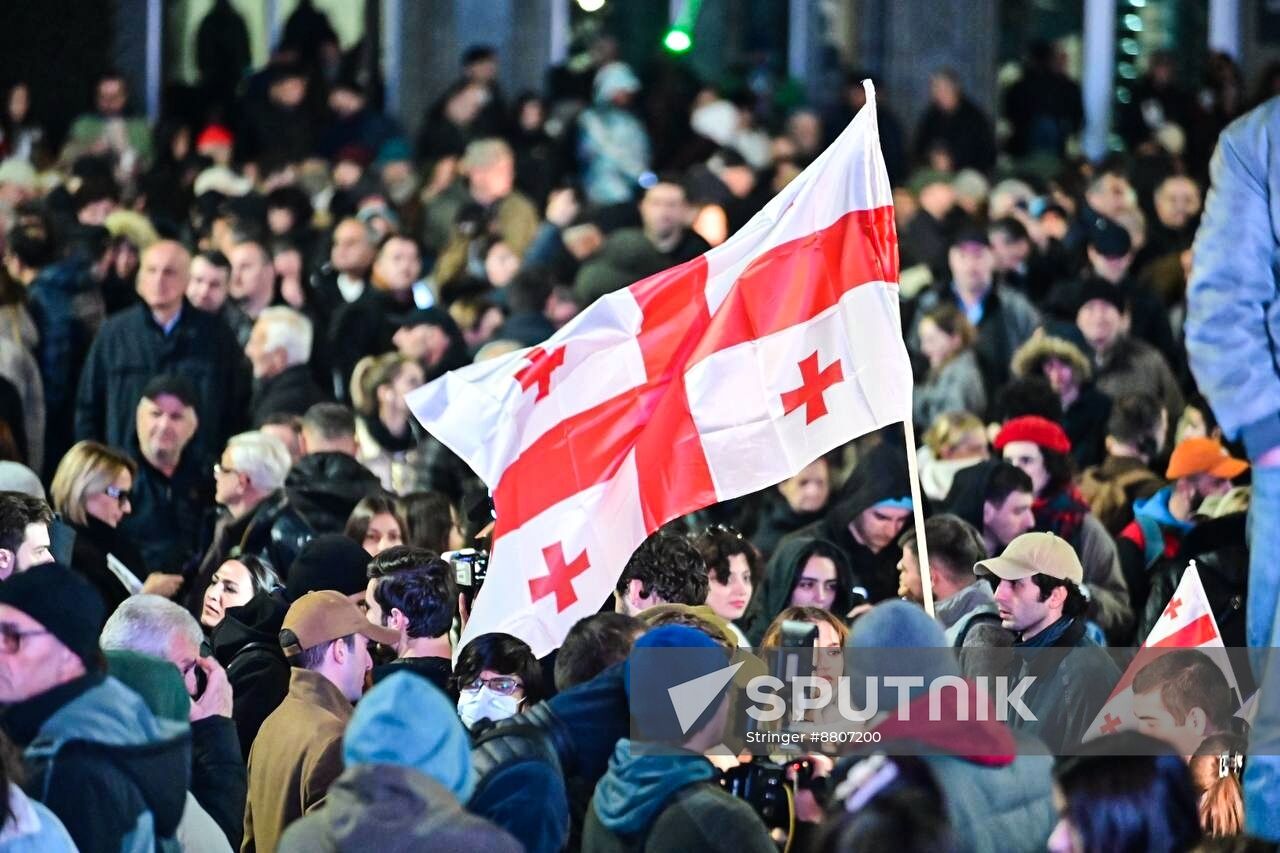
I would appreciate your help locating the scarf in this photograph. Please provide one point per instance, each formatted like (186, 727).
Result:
(1061, 513)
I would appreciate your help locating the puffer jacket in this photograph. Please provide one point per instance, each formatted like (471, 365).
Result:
(318, 495)
(247, 644)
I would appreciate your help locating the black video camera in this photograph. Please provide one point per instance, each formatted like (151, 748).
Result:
(762, 785)
(470, 568)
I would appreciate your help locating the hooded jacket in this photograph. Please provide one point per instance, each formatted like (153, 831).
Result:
(881, 475)
(1153, 534)
(613, 144)
(777, 519)
(406, 776)
(247, 644)
(665, 802)
(780, 578)
(113, 774)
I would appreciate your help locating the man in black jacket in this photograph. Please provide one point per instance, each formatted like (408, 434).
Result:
(279, 349)
(172, 489)
(1037, 592)
(162, 335)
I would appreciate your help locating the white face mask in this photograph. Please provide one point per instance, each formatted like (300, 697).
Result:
(484, 704)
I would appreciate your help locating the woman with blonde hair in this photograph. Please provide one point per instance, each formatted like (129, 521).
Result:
(385, 431)
(954, 441)
(91, 491)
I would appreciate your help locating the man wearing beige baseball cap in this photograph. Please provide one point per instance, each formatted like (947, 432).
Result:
(1038, 596)
(298, 751)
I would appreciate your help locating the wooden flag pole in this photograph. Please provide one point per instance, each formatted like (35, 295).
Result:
(917, 511)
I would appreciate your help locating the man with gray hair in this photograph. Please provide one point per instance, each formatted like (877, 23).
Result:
(154, 626)
(252, 467)
(279, 348)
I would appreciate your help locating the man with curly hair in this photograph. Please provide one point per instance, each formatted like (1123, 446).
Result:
(665, 569)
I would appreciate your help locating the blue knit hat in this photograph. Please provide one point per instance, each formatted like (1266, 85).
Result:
(405, 720)
(896, 638)
(664, 658)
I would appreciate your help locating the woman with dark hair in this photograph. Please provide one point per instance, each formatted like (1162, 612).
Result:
(1040, 447)
(234, 583)
(804, 572)
(733, 569)
(888, 803)
(376, 524)
(20, 135)
(432, 521)
(496, 677)
(1127, 792)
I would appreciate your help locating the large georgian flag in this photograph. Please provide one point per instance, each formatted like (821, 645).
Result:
(710, 380)
(1186, 623)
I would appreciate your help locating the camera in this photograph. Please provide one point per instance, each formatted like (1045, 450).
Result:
(762, 785)
(470, 568)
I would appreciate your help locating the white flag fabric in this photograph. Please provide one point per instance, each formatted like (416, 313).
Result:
(710, 380)
(1186, 623)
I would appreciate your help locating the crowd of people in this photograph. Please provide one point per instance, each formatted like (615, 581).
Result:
(228, 607)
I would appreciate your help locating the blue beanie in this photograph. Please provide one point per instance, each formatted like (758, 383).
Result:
(406, 720)
(896, 638)
(661, 659)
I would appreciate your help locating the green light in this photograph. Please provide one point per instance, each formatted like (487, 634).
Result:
(677, 41)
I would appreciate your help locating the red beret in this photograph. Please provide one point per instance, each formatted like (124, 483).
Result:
(1037, 430)
(214, 134)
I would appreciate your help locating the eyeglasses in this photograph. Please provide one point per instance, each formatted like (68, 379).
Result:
(11, 638)
(503, 685)
(122, 496)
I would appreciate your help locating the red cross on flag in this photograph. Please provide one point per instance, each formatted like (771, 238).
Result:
(1186, 623)
(717, 378)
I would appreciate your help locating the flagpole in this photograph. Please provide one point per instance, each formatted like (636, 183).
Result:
(917, 510)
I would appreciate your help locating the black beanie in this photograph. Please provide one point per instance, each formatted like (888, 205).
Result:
(329, 561)
(64, 603)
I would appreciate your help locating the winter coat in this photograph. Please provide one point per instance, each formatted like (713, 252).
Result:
(997, 784)
(1008, 320)
(247, 644)
(513, 218)
(966, 132)
(296, 758)
(318, 496)
(1073, 678)
(94, 541)
(404, 781)
(393, 809)
(112, 773)
(168, 513)
(1233, 296)
(955, 387)
(1153, 534)
(628, 256)
(19, 366)
(1112, 487)
(659, 802)
(1104, 578)
(67, 310)
(1222, 561)
(613, 145)
(392, 467)
(290, 392)
(131, 349)
(1132, 367)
